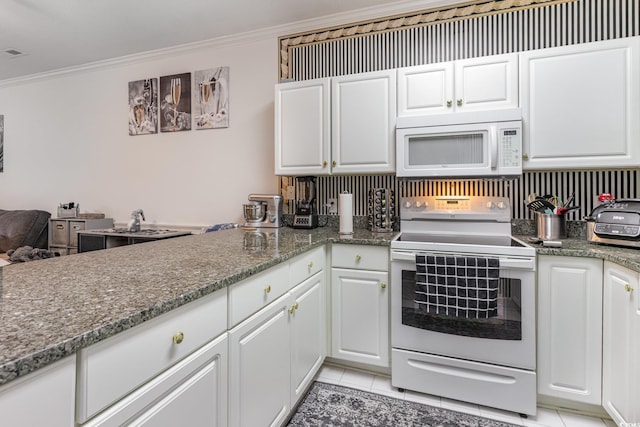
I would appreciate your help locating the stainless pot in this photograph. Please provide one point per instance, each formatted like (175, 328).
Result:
(254, 211)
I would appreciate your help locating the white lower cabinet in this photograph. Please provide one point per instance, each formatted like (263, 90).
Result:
(193, 392)
(360, 304)
(274, 355)
(621, 346)
(41, 398)
(570, 328)
(308, 334)
(260, 350)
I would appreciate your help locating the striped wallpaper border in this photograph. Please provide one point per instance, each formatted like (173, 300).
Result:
(444, 14)
(579, 21)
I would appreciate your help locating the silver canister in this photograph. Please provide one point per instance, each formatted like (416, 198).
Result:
(551, 226)
(381, 208)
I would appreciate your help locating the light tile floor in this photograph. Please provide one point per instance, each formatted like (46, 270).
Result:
(382, 385)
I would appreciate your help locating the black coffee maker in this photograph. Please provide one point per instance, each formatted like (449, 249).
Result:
(306, 215)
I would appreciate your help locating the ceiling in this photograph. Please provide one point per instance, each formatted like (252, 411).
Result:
(57, 34)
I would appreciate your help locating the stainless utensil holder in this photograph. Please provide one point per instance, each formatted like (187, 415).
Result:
(551, 226)
(381, 208)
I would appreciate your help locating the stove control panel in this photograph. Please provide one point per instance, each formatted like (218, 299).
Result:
(461, 207)
(456, 204)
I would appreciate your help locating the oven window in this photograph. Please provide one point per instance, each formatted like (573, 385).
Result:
(504, 323)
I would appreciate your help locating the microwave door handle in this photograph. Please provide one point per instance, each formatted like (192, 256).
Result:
(493, 140)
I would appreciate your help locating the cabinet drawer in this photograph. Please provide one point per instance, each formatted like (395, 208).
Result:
(200, 378)
(250, 295)
(59, 233)
(360, 257)
(306, 265)
(74, 227)
(112, 368)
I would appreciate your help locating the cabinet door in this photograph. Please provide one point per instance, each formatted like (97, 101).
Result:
(570, 328)
(581, 104)
(42, 398)
(363, 114)
(259, 371)
(302, 128)
(425, 89)
(621, 375)
(489, 82)
(308, 333)
(360, 316)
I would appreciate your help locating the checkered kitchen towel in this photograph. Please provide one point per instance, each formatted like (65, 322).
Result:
(458, 286)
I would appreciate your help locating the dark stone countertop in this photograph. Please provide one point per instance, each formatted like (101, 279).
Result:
(51, 308)
(580, 247)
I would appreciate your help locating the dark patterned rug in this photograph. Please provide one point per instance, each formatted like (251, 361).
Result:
(331, 405)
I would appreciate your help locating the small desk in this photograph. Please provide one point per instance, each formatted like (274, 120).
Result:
(93, 240)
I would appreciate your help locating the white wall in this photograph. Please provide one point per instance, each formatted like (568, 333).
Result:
(66, 139)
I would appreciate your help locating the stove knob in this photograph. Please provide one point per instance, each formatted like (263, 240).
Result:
(418, 203)
(501, 205)
(491, 205)
(407, 204)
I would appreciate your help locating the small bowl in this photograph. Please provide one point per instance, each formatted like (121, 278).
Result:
(254, 211)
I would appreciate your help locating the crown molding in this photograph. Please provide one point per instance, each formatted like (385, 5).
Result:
(232, 40)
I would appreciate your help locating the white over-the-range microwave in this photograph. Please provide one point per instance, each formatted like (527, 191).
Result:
(484, 144)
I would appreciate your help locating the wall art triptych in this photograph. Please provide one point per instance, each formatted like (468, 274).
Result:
(166, 104)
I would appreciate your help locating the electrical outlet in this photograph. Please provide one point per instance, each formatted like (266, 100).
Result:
(291, 192)
(333, 206)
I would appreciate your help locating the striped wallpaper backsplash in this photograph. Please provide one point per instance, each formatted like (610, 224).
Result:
(561, 24)
(585, 185)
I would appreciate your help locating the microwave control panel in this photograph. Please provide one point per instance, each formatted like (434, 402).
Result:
(510, 141)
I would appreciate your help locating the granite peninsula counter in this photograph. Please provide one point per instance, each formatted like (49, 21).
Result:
(51, 308)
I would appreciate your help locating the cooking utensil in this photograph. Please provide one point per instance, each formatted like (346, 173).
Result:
(571, 208)
(570, 200)
(540, 205)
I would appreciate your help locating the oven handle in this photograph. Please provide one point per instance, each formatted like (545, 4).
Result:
(518, 263)
(403, 256)
(505, 263)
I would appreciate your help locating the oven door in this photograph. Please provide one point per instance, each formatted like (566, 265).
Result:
(506, 337)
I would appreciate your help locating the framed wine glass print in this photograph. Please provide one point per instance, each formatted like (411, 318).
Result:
(175, 102)
(143, 107)
(211, 92)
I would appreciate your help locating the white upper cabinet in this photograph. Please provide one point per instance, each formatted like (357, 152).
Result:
(363, 114)
(581, 105)
(484, 83)
(302, 127)
(342, 125)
